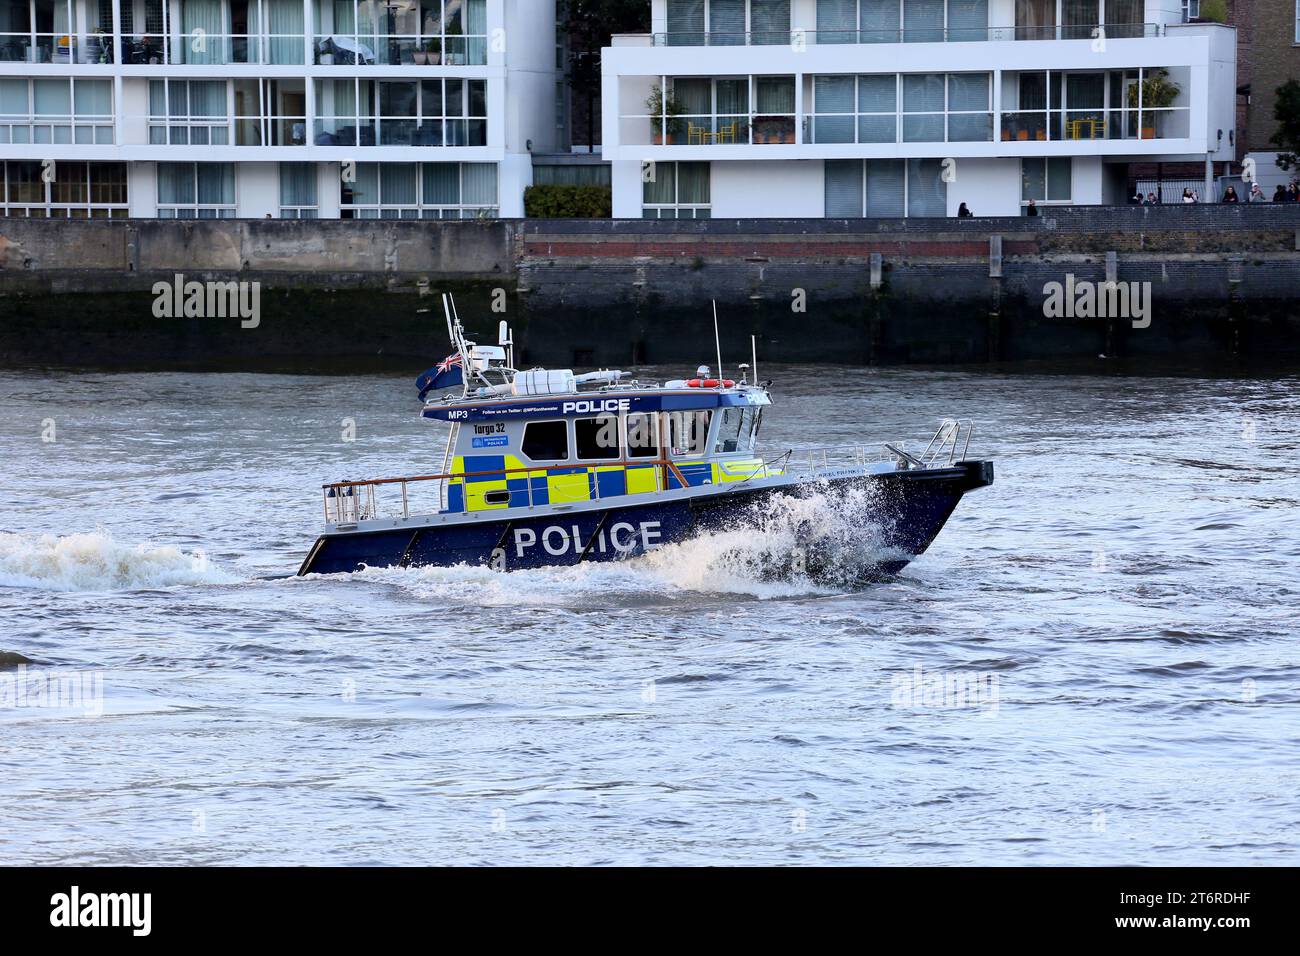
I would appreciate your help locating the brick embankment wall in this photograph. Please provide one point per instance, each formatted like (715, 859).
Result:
(1224, 281)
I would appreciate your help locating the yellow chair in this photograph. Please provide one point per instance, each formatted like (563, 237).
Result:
(729, 133)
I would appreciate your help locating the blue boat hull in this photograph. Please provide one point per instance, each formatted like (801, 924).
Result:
(899, 512)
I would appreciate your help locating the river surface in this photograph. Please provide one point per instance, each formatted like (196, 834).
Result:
(1098, 661)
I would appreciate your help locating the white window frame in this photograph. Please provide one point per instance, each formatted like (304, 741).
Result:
(298, 211)
(374, 100)
(50, 208)
(188, 122)
(907, 184)
(222, 210)
(72, 121)
(1047, 189)
(677, 205)
(419, 38)
(420, 209)
(748, 36)
(899, 113)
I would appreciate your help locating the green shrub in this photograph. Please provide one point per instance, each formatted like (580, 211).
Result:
(568, 202)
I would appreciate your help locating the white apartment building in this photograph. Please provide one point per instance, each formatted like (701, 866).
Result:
(274, 108)
(851, 108)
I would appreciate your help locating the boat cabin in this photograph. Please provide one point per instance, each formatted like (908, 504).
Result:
(512, 451)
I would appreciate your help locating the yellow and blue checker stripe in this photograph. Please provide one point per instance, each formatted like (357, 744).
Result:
(556, 486)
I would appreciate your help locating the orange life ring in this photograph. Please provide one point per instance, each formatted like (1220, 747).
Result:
(710, 383)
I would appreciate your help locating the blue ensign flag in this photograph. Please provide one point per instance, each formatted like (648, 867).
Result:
(446, 374)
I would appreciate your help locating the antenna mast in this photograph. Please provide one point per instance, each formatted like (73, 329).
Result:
(717, 341)
(458, 342)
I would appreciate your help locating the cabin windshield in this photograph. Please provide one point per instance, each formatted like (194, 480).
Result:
(735, 430)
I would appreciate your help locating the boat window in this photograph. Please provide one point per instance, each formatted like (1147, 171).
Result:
(735, 430)
(688, 432)
(597, 438)
(546, 441)
(642, 436)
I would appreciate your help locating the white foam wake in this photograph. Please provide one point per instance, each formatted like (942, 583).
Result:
(790, 547)
(95, 562)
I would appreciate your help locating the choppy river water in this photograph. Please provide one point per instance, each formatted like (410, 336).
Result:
(1096, 662)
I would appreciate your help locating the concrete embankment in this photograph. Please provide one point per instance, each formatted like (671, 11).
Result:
(1223, 281)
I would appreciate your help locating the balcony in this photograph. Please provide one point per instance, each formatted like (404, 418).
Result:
(55, 48)
(799, 39)
(842, 109)
(400, 50)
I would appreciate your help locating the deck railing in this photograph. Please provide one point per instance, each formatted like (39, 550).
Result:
(350, 502)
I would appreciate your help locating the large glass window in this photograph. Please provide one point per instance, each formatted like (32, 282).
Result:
(196, 191)
(923, 21)
(597, 438)
(77, 191)
(923, 107)
(937, 108)
(833, 105)
(728, 22)
(58, 111)
(418, 32)
(910, 21)
(270, 112)
(1046, 180)
(420, 191)
(880, 21)
(969, 116)
(837, 21)
(885, 188)
(677, 191)
(188, 113)
(546, 441)
(298, 191)
(731, 110)
(1035, 19)
(434, 112)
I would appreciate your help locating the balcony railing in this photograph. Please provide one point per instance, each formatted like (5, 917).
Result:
(399, 131)
(213, 49)
(278, 49)
(909, 127)
(39, 129)
(55, 48)
(801, 38)
(400, 50)
(1173, 122)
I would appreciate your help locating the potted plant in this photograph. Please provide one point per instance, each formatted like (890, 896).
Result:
(663, 106)
(420, 57)
(1158, 92)
(433, 51)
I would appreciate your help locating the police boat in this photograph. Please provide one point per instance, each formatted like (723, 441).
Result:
(545, 468)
